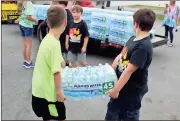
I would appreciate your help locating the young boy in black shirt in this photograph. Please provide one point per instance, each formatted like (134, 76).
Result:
(63, 35)
(77, 38)
(132, 70)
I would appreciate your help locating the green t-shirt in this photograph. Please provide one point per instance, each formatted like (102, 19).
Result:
(48, 62)
(27, 11)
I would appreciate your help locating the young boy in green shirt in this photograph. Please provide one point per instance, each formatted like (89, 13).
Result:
(47, 96)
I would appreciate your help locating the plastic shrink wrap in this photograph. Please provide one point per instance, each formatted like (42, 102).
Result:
(103, 24)
(121, 29)
(40, 11)
(100, 23)
(88, 82)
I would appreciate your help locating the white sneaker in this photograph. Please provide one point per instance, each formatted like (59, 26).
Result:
(170, 45)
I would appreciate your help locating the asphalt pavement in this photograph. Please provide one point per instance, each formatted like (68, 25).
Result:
(161, 102)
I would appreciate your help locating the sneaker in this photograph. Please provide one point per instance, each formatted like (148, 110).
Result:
(170, 45)
(29, 65)
(24, 63)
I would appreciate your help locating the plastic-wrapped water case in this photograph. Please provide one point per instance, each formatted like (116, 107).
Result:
(121, 29)
(115, 12)
(40, 11)
(87, 16)
(100, 25)
(88, 82)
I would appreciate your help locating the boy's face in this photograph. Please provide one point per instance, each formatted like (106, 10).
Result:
(76, 15)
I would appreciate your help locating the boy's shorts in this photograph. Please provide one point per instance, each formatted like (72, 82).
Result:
(127, 108)
(79, 57)
(64, 55)
(40, 108)
(25, 31)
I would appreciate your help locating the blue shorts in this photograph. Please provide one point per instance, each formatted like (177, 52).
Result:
(26, 32)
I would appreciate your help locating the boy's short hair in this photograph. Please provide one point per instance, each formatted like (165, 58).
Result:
(65, 3)
(56, 16)
(77, 8)
(145, 18)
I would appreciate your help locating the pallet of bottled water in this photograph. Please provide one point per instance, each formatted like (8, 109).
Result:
(88, 82)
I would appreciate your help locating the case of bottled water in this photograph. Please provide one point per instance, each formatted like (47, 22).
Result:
(40, 11)
(121, 29)
(100, 25)
(88, 82)
(87, 16)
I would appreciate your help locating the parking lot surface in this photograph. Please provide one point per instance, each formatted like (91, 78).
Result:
(161, 102)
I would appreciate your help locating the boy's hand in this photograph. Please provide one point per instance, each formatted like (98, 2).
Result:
(83, 50)
(36, 22)
(113, 93)
(60, 96)
(67, 47)
(63, 64)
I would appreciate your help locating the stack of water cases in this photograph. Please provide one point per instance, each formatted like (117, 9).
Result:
(87, 16)
(121, 29)
(115, 12)
(88, 82)
(100, 21)
(40, 11)
(115, 26)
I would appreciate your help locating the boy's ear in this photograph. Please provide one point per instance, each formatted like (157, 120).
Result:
(47, 23)
(65, 23)
(136, 25)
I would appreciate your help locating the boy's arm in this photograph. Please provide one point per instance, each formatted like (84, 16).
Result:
(57, 81)
(55, 66)
(115, 62)
(86, 36)
(67, 36)
(137, 60)
(86, 39)
(67, 42)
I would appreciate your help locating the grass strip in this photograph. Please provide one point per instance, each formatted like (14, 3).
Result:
(145, 6)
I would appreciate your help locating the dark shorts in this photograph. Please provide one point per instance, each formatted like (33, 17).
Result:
(127, 108)
(40, 108)
(26, 32)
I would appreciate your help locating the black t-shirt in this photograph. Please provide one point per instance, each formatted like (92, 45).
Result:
(63, 35)
(138, 53)
(77, 32)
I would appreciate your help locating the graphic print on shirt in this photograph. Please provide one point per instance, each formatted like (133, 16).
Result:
(123, 62)
(75, 35)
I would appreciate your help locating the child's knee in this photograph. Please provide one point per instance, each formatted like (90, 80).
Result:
(74, 64)
(83, 63)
